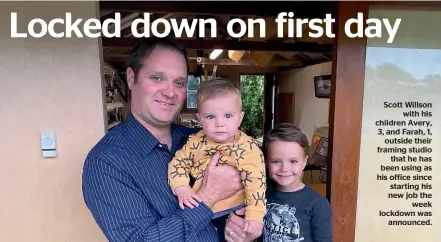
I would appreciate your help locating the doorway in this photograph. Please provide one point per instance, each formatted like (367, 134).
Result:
(252, 89)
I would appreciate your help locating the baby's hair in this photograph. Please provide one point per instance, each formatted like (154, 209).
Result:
(215, 87)
(287, 132)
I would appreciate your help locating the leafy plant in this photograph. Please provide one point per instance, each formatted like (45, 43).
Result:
(252, 88)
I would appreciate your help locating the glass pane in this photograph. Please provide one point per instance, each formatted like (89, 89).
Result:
(193, 82)
(400, 144)
(191, 99)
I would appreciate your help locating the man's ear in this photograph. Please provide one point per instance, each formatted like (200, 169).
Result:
(130, 77)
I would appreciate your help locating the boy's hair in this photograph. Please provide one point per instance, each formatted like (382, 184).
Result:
(287, 132)
(212, 88)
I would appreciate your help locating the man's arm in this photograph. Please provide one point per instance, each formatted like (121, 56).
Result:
(123, 215)
(321, 221)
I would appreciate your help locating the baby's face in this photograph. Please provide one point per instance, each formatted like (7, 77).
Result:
(221, 117)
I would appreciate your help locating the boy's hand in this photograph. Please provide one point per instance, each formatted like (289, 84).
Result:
(187, 196)
(253, 228)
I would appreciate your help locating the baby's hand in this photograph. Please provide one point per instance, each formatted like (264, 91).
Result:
(187, 196)
(253, 228)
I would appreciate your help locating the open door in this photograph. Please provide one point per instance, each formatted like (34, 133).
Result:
(268, 102)
(285, 108)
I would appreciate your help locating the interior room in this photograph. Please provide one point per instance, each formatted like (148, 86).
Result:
(295, 72)
(84, 78)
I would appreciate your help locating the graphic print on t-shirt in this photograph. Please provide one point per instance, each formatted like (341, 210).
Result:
(281, 224)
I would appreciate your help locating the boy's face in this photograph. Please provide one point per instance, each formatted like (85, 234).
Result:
(286, 161)
(221, 117)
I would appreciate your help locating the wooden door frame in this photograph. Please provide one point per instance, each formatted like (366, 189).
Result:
(268, 99)
(346, 107)
(346, 103)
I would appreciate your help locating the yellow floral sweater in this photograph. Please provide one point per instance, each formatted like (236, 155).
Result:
(244, 153)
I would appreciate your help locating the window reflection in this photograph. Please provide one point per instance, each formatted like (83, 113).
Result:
(192, 86)
(400, 74)
(409, 69)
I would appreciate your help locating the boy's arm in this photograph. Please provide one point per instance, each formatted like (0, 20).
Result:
(321, 220)
(180, 166)
(252, 169)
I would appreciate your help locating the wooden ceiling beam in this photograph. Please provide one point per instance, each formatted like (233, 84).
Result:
(305, 59)
(121, 59)
(105, 12)
(328, 56)
(230, 45)
(304, 9)
(229, 62)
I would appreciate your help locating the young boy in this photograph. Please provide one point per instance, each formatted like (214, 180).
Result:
(220, 113)
(295, 211)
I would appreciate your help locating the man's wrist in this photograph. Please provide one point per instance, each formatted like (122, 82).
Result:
(207, 197)
(199, 217)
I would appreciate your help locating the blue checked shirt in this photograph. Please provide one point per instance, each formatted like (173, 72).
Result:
(126, 189)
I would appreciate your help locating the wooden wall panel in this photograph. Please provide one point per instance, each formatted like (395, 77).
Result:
(345, 122)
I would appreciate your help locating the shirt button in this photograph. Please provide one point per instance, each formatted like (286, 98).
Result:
(160, 145)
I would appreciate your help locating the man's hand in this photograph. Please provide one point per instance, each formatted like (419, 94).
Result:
(219, 182)
(187, 196)
(253, 228)
(235, 228)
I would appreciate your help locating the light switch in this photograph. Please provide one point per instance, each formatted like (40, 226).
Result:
(48, 144)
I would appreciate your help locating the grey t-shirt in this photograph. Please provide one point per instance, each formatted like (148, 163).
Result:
(300, 216)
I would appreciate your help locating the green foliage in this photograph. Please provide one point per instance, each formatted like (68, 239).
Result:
(252, 100)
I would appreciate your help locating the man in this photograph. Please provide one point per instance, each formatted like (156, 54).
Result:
(125, 175)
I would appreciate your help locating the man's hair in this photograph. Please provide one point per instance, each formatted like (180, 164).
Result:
(287, 132)
(213, 88)
(145, 47)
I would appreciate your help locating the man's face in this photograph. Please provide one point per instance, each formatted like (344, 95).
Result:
(221, 117)
(160, 88)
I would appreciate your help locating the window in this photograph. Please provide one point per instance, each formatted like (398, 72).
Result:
(192, 87)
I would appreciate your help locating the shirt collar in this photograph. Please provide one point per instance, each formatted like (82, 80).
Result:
(143, 136)
(179, 135)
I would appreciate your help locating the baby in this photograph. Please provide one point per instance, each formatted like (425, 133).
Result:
(220, 113)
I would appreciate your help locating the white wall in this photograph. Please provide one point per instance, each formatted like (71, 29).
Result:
(309, 111)
(47, 84)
